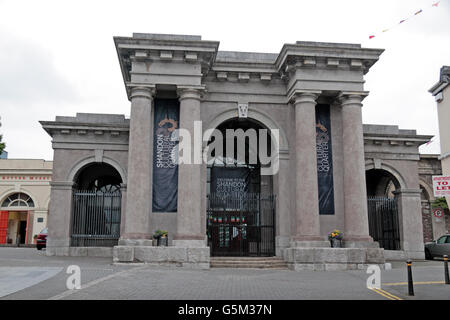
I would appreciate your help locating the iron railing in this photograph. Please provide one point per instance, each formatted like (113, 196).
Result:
(383, 222)
(95, 218)
(241, 224)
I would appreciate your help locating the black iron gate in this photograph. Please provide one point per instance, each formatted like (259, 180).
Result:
(241, 224)
(383, 222)
(95, 218)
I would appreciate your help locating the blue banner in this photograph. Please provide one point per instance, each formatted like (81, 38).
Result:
(165, 170)
(324, 159)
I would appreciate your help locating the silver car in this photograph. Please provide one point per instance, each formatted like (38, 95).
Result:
(438, 247)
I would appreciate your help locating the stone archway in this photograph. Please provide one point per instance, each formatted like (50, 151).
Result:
(96, 206)
(256, 115)
(240, 205)
(384, 223)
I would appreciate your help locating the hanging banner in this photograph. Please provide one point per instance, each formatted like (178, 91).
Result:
(324, 160)
(229, 181)
(165, 169)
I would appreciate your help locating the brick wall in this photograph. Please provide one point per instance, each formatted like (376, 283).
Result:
(447, 220)
(426, 221)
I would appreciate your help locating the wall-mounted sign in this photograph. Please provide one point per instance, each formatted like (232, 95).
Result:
(441, 186)
(438, 212)
(24, 178)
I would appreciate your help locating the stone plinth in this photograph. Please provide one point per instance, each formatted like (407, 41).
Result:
(329, 259)
(195, 258)
(52, 250)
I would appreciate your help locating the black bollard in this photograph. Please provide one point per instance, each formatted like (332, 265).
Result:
(410, 279)
(447, 278)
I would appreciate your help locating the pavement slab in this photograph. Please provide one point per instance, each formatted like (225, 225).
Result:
(19, 278)
(29, 274)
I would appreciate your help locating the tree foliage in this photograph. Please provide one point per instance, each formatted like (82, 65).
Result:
(440, 203)
(2, 144)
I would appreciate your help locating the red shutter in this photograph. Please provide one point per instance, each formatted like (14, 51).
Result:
(4, 216)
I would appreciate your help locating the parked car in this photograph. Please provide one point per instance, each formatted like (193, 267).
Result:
(438, 248)
(41, 241)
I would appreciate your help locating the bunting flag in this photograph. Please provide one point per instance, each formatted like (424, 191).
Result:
(435, 4)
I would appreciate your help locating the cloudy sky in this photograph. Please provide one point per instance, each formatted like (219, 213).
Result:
(58, 57)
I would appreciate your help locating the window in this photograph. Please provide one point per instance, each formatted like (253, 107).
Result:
(442, 240)
(40, 219)
(18, 200)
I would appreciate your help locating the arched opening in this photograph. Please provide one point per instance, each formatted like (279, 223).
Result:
(427, 222)
(241, 204)
(15, 226)
(96, 206)
(382, 208)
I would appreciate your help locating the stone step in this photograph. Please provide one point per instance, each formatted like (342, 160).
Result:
(233, 266)
(255, 266)
(248, 258)
(248, 262)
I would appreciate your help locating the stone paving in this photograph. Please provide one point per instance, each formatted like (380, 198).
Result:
(103, 280)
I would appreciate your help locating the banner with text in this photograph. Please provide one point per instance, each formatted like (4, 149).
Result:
(441, 186)
(324, 160)
(229, 181)
(165, 169)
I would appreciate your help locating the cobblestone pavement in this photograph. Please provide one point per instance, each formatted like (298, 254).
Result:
(103, 280)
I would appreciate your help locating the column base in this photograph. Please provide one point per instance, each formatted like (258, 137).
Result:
(359, 242)
(185, 257)
(57, 247)
(61, 247)
(310, 244)
(191, 243)
(136, 236)
(281, 243)
(135, 242)
(332, 259)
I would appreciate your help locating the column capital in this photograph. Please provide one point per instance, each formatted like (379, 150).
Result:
(190, 92)
(299, 96)
(147, 92)
(351, 97)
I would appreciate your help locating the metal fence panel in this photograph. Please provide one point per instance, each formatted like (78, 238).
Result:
(241, 224)
(383, 222)
(95, 218)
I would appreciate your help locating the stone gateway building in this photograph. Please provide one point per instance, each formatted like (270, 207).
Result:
(113, 185)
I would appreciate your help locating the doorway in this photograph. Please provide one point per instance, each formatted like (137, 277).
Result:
(240, 201)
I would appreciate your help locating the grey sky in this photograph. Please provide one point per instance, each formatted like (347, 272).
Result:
(58, 57)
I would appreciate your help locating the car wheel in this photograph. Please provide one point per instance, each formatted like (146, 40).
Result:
(39, 247)
(428, 255)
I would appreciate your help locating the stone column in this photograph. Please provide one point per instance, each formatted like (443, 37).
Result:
(139, 184)
(410, 222)
(307, 230)
(123, 207)
(189, 214)
(356, 233)
(284, 207)
(59, 218)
